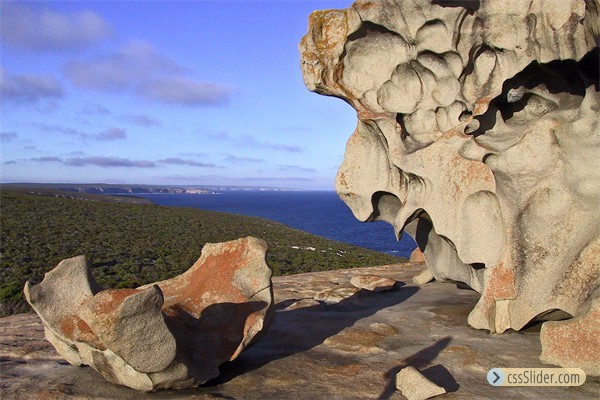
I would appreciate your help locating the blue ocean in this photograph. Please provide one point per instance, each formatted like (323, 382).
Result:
(321, 213)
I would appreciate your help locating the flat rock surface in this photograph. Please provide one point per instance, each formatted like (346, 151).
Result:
(347, 350)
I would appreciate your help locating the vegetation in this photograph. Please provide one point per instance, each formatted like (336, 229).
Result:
(133, 244)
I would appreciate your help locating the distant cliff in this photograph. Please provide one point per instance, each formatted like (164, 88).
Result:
(114, 189)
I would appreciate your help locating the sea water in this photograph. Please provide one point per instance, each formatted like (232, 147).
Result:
(321, 213)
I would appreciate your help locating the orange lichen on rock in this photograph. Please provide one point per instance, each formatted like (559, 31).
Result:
(172, 334)
(574, 342)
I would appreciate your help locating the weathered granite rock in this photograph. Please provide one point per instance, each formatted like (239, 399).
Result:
(347, 350)
(478, 134)
(424, 277)
(573, 343)
(336, 294)
(171, 334)
(414, 386)
(373, 283)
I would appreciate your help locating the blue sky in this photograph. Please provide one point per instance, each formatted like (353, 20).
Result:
(157, 92)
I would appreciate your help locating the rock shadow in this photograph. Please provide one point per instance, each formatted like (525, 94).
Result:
(213, 337)
(302, 329)
(438, 374)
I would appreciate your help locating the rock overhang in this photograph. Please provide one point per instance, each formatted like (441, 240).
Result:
(477, 134)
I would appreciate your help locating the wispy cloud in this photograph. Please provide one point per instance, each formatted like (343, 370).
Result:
(193, 154)
(29, 88)
(185, 91)
(42, 29)
(140, 119)
(122, 70)
(235, 180)
(235, 159)
(219, 136)
(141, 70)
(47, 159)
(8, 136)
(58, 129)
(108, 134)
(250, 141)
(295, 168)
(108, 162)
(95, 109)
(181, 161)
(288, 148)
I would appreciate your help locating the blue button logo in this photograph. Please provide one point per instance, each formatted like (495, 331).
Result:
(495, 377)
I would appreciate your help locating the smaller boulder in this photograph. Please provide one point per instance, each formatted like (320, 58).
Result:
(414, 386)
(423, 277)
(373, 283)
(336, 295)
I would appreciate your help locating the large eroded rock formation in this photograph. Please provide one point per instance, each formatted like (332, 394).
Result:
(478, 134)
(171, 334)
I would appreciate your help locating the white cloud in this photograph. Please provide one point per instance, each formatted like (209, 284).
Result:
(185, 91)
(21, 89)
(123, 70)
(42, 29)
(139, 69)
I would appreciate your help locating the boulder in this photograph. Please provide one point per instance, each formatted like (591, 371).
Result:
(373, 283)
(424, 277)
(478, 135)
(170, 334)
(336, 295)
(414, 386)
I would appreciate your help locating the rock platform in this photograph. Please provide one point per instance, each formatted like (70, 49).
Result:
(328, 349)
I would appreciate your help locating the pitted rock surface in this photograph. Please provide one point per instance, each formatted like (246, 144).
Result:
(313, 350)
(478, 134)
